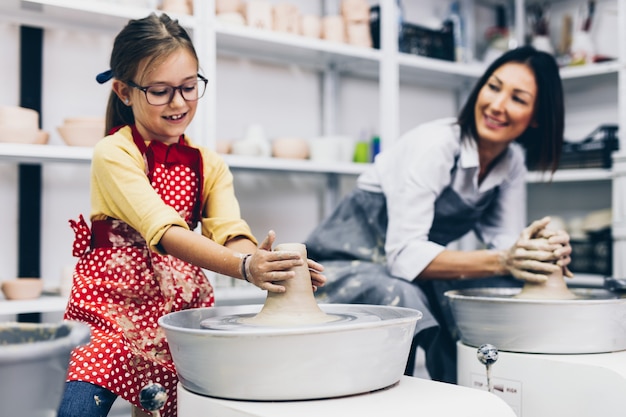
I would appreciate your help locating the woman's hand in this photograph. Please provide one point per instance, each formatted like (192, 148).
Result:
(537, 253)
(564, 249)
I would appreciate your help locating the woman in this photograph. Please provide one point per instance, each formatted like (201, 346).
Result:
(386, 241)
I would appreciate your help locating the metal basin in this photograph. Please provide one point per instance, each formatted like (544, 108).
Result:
(595, 322)
(364, 353)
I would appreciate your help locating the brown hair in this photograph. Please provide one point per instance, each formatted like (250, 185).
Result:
(542, 143)
(140, 43)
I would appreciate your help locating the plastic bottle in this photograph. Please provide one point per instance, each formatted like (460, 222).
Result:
(457, 28)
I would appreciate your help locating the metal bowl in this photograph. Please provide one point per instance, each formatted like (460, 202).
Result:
(291, 363)
(595, 322)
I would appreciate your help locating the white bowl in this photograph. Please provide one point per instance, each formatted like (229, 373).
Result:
(22, 288)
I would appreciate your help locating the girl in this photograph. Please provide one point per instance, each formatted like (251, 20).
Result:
(150, 187)
(386, 242)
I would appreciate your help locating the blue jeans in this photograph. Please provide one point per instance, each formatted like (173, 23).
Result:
(82, 399)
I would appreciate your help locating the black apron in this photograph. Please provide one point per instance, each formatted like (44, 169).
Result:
(350, 244)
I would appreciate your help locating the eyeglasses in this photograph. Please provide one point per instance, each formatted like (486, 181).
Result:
(160, 95)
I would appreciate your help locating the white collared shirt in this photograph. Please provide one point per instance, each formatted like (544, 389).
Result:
(413, 173)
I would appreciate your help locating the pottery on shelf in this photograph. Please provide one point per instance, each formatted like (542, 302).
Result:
(22, 288)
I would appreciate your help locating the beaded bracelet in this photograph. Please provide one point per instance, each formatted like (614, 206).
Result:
(245, 270)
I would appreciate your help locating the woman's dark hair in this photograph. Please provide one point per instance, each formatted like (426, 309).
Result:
(140, 43)
(542, 143)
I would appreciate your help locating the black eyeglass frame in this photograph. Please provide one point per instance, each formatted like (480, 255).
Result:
(174, 89)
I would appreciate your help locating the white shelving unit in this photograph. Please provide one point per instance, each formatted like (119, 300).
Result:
(386, 67)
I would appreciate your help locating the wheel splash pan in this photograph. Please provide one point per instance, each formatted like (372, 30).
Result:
(594, 322)
(291, 363)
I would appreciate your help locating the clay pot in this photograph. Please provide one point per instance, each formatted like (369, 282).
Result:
(228, 6)
(177, 6)
(355, 11)
(333, 29)
(258, 14)
(297, 305)
(26, 135)
(286, 18)
(359, 34)
(82, 131)
(554, 288)
(15, 116)
(292, 148)
(19, 125)
(22, 288)
(311, 26)
(223, 146)
(233, 18)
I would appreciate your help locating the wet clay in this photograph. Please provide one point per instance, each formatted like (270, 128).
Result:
(297, 305)
(554, 288)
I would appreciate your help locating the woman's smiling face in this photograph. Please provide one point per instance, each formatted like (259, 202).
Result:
(505, 105)
(167, 122)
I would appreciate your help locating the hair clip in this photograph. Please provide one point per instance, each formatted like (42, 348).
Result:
(105, 76)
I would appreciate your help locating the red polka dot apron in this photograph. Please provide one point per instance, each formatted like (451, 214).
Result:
(121, 288)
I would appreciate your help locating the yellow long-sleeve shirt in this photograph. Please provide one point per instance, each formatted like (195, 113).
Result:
(121, 189)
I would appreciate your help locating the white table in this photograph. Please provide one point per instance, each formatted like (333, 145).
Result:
(411, 397)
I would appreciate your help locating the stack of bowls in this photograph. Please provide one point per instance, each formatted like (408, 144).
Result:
(82, 131)
(20, 125)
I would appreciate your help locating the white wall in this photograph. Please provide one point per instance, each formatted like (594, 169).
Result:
(285, 100)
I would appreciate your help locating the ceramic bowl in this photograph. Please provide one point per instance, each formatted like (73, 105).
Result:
(22, 288)
(292, 148)
(82, 131)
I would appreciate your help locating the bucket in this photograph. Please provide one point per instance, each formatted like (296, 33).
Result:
(33, 365)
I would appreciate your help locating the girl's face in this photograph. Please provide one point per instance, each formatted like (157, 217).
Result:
(506, 104)
(167, 122)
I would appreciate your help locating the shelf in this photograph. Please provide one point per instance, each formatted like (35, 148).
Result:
(581, 77)
(571, 175)
(81, 14)
(289, 49)
(43, 304)
(44, 153)
(292, 165)
(18, 153)
(57, 303)
(417, 69)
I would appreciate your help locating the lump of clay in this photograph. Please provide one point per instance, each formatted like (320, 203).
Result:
(554, 288)
(297, 305)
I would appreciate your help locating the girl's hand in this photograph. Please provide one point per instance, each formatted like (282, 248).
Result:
(266, 267)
